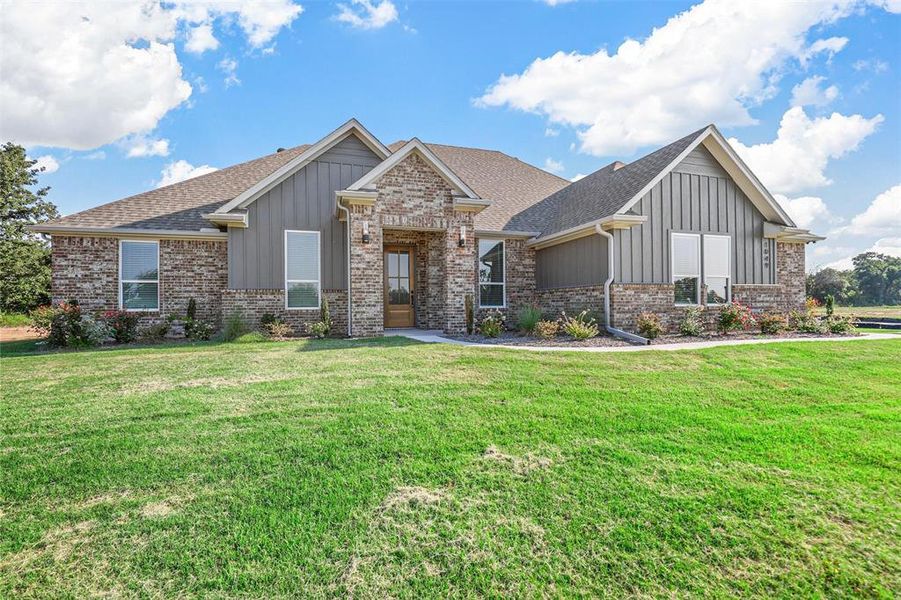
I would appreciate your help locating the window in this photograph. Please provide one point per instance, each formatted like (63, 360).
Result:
(139, 275)
(717, 259)
(301, 269)
(491, 273)
(686, 260)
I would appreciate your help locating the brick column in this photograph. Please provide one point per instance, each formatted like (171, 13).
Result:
(366, 272)
(459, 273)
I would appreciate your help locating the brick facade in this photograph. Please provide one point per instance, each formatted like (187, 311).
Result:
(87, 269)
(572, 300)
(253, 304)
(415, 207)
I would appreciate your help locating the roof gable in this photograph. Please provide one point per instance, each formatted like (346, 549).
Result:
(423, 151)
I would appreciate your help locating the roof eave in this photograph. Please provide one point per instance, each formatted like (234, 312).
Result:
(608, 223)
(129, 232)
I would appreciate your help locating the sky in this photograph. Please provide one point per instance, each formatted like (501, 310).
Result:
(115, 98)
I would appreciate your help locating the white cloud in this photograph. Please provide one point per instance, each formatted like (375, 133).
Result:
(48, 163)
(875, 65)
(798, 157)
(882, 216)
(709, 63)
(805, 210)
(139, 146)
(554, 166)
(229, 66)
(829, 46)
(363, 14)
(83, 74)
(811, 93)
(201, 39)
(890, 246)
(181, 170)
(557, 2)
(98, 155)
(551, 132)
(577, 177)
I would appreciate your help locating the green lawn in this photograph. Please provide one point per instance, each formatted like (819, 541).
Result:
(390, 468)
(14, 320)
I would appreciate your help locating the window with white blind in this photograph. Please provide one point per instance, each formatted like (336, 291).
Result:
(491, 274)
(686, 266)
(717, 261)
(139, 275)
(302, 288)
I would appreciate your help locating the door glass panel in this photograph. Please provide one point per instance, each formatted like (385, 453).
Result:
(404, 260)
(392, 264)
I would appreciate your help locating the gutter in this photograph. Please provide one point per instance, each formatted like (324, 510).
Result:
(631, 337)
(349, 297)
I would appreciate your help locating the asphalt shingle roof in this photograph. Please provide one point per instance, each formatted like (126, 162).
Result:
(598, 195)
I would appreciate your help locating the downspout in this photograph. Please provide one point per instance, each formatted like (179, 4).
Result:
(349, 296)
(613, 330)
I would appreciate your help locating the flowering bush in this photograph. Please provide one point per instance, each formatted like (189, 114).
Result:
(805, 322)
(692, 322)
(842, 325)
(279, 329)
(772, 323)
(649, 325)
(735, 316)
(41, 318)
(492, 324)
(319, 329)
(581, 326)
(124, 325)
(546, 329)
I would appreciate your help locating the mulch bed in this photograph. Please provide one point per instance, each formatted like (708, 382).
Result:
(745, 335)
(509, 338)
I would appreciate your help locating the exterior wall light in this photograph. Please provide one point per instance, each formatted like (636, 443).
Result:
(365, 232)
(462, 241)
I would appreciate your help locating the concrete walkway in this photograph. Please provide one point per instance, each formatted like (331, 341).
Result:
(437, 337)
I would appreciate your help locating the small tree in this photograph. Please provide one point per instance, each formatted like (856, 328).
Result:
(325, 317)
(24, 256)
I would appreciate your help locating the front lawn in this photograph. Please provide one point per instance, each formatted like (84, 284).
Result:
(390, 468)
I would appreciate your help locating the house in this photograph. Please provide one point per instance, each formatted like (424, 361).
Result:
(400, 235)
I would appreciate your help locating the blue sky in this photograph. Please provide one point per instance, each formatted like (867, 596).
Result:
(124, 97)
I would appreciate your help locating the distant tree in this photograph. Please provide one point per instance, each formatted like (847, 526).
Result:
(830, 281)
(877, 278)
(24, 256)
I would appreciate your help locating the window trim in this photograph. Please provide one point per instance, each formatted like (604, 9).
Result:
(157, 281)
(503, 284)
(318, 270)
(672, 266)
(728, 239)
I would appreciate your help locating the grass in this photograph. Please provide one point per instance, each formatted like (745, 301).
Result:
(14, 320)
(389, 468)
(865, 311)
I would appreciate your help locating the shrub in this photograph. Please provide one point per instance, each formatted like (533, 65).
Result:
(199, 330)
(251, 337)
(155, 332)
(467, 303)
(830, 305)
(842, 325)
(805, 322)
(581, 327)
(546, 329)
(735, 316)
(325, 317)
(772, 323)
(191, 312)
(123, 324)
(279, 329)
(692, 322)
(492, 325)
(93, 332)
(65, 325)
(527, 318)
(649, 325)
(811, 304)
(267, 319)
(41, 318)
(318, 330)
(234, 327)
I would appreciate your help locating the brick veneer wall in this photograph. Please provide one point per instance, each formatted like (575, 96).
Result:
(87, 269)
(627, 301)
(253, 304)
(519, 272)
(412, 196)
(573, 300)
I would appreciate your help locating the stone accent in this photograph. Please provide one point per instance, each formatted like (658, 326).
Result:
(87, 269)
(414, 204)
(572, 300)
(253, 304)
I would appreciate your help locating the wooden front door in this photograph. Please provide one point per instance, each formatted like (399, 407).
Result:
(399, 287)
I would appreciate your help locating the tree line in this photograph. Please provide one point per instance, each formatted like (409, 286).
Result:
(874, 280)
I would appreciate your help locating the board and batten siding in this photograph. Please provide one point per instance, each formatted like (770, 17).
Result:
(581, 262)
(698, 196)
(304, 201)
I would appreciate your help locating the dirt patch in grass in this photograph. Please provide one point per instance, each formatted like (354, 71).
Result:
(18, 334)
(521, 465)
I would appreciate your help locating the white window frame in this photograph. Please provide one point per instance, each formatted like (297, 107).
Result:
(503, 284)
(728, 239)
(318, 271)
(672, 265)
(157, 281)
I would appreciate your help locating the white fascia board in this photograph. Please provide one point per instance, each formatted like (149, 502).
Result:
(414, 145)
(607, 223)
(726, 156)
(352, 127)
(782, 233)
(471, 204)
(229, 219)
(501, 234)
(155, 234)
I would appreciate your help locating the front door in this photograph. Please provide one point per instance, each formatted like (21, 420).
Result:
(398, 287)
